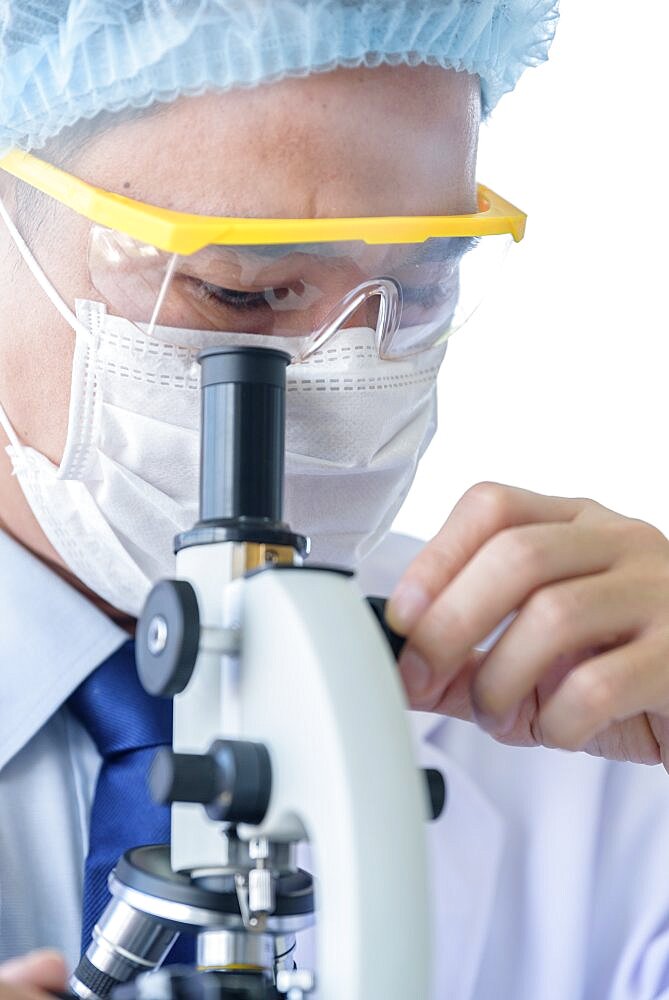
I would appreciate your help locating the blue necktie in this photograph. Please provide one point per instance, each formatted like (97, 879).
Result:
(127, 726)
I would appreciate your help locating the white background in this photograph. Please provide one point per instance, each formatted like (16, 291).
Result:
(560, 383)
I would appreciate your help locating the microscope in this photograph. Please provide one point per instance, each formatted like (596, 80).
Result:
(290, 728)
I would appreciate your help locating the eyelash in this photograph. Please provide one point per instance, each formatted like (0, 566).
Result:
(228, 297)
(234, 299)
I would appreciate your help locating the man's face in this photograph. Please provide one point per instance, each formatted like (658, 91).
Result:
(388, 141)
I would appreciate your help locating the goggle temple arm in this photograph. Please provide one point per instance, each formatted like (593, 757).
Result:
(164, 288)
(389, 293)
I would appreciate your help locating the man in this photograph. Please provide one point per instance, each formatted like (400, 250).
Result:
(548, 867)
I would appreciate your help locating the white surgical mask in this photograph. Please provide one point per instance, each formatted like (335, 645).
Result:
(128, 481)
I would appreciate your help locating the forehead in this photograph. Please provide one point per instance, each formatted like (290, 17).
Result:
(386, 141)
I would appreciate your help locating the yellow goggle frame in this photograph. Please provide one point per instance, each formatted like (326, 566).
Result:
(185, 234)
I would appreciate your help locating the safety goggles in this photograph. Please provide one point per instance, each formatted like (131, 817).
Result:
(415, 280)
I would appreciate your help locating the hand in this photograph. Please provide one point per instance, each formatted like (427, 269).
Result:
(584, 665)
(33, 976)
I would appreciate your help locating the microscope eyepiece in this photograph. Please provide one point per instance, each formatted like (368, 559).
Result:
(242, 455)
(243, 434)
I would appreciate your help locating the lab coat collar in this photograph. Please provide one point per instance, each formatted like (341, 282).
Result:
(51, 639)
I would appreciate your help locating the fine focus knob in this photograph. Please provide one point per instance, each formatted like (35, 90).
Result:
(437, 792)
(168, 638)
(233, 780)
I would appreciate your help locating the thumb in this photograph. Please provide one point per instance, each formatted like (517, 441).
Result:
(44, 970)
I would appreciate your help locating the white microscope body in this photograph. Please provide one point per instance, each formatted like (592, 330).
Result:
(316, 683)
(289, 727)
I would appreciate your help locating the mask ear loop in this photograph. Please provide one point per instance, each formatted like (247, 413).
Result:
(40, 277)
(80, 329)
(9, 431)
(4, 419)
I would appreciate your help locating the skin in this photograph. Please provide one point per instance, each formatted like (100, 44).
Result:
(585, 663)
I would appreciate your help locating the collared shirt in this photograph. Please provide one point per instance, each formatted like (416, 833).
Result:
(550, 871)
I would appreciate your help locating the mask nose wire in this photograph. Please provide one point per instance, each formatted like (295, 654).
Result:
(390, 315)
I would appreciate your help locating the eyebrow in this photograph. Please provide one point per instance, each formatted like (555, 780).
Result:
(445, 248)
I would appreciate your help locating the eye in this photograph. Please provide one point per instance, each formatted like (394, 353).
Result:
(229, 297)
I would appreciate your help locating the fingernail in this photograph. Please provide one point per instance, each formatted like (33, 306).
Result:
(408, 602)
(416, 673)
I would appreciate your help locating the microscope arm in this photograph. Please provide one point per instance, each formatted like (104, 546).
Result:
(317, 685)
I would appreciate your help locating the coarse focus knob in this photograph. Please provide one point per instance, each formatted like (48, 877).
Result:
(168, 638)
(233, 780)
(183, 777)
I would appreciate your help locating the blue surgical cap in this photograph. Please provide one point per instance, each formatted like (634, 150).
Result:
(66, 60)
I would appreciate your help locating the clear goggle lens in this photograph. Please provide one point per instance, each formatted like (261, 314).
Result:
(414, 295)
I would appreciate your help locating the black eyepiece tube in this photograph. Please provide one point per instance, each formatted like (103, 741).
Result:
(243, 434)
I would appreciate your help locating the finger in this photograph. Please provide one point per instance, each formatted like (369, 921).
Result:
(634, 739)
(481, 513)
(631, 740)
(601, 610)
(608, 688)
(42, 970)
(8, 991)
(499, 579)
(455, 701)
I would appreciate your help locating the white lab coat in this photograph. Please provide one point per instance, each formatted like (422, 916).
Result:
(550, 871)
